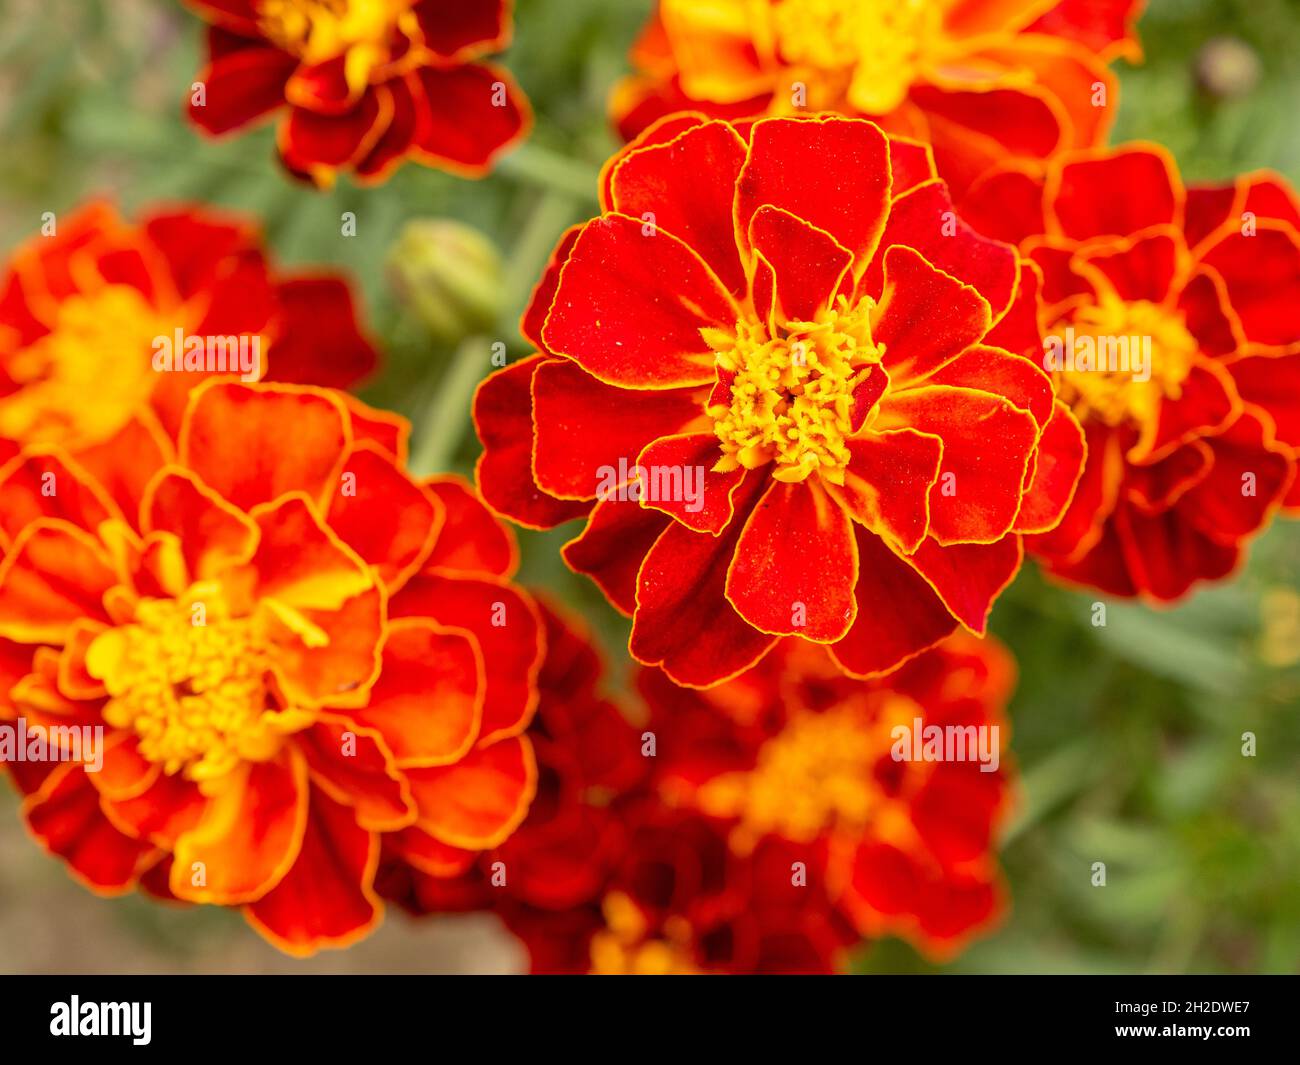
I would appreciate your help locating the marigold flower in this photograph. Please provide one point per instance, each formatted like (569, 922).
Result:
(1189, 301)
(889, 792)
(789, 321)
(764, 825)
(287, 651)
(682, 902)
(86, 312)
(981, 80)
(366, 84)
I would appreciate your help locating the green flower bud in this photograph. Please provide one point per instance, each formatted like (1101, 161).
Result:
(449, 275)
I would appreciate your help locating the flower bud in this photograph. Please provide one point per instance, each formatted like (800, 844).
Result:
(449, 275)
(1227, 68)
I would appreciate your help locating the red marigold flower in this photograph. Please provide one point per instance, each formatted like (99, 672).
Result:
(772, 827)
(777, 376)
(1173, 319)
(285, 651)
(99, 294)
(365, 83)
(889, 792)
(682, 902)
(982, 80)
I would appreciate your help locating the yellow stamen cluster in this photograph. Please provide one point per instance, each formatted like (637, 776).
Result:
(867, 54)
(190, 680)
(622, 949)
(319, 30)
(100, 346)
(815, 774)
(791, 401)
(1115, 397)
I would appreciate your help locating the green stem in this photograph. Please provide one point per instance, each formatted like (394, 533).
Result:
(447, 416)
(549, 170)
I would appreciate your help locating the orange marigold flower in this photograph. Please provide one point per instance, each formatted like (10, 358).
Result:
(1172, 319)
(982, 80)
(888, 792)
(786, 387)
(286, 652)
(90, 313)
(365, 83)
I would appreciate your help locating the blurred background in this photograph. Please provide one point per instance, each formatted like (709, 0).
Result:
(1129, 736)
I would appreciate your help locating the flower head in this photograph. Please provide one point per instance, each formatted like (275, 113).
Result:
(765, 825)
(364, 84)
(105, 327)
(1172, 329)
(888, 793)
(273, 657)
(777, 377)
(979, 79)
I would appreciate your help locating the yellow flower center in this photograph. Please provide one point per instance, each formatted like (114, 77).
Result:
(319, 30)
(1122, 360)
(622, 949)
(868, 53)
(190, 680)
(817, 773)
(791, 401)
(82, 381)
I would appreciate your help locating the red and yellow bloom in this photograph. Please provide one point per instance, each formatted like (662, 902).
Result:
(888, 792)
(602, 877)
(365, 84)
(765, 825)
(981, 80)
(82, 313)
(290, 653)
(1187, 464)
(791, 314)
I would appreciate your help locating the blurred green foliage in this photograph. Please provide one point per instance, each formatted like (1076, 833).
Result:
(1129, 736)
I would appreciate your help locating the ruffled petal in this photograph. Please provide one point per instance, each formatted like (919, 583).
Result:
(327, 898)
(428, 700)
(249, 836)
(479, 801)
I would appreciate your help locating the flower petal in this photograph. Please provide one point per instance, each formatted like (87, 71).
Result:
(969, 577)
(327, 898)
(630, 307)
(249, 836)
(796, 564)
(586, 428)
(609, 550)
(844, 193)
(925, 317)
(428, 700)
(683, 620)
(887, 483)
(898, 616)
(252, 418)
(503, 420)
(987, 445)
(687, 186)
(477, 802)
